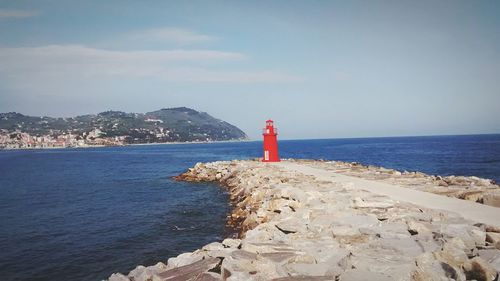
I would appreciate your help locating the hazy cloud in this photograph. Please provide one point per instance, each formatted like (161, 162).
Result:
(175, 35)
(60, 61)
(341, 76)
(205, 75)
(16, 14)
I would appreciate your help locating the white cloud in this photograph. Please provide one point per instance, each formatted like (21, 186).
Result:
(73, 53)
(16, 14)
(204, 75)
(61, 61)
(175, 35)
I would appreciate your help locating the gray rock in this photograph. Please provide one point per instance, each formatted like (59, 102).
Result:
(492, 199)
(344, 230)
(387, 230)
(493, 238)
(360, 203)
(429, 268)
(291, 225)
(316, 269)
(243, 255)
(360, 275)
(453, 253)
(298, 227)
(406, 247)
(189, 271)
(208, 276)
(278, 257)
(358, 221)
(479, 269)
(415, 227)
(304, 278)
(145, 274)
(470, 235)
(491, 256)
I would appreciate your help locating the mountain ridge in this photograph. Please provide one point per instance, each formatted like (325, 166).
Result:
(177, 124)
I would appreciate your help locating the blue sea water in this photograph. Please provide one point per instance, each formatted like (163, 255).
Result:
(82, 214)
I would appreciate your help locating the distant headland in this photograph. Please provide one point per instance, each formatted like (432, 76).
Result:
(167, 125)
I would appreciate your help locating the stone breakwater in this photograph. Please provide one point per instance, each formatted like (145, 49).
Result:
(298, 226)
(468, 188)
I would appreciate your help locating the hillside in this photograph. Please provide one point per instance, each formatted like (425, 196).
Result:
(180, 124)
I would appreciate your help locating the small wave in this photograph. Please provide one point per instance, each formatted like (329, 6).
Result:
(178, 228)
(175, 227)
(490, 161)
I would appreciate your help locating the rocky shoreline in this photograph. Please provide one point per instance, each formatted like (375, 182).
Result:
(297, 226)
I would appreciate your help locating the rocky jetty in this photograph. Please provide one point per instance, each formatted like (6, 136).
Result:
(294, 225)
(468, 188)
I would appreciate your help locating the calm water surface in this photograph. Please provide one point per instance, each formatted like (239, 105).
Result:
(82, 214)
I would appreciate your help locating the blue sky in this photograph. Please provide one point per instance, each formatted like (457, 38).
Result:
(320, 69)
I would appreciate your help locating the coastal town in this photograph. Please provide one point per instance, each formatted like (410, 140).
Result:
(113, 128)
(20, 140)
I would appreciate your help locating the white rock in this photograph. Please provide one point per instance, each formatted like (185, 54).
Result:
(357, 220)
(360, 203)
(118, 277)
(418, 228)
(214, 246)
(319, 269)
(136, 271)
(387, 230)
(344, 230)
(183, 259)
(231, 243)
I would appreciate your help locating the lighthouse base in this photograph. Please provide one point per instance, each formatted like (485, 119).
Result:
(270, 156)
(263, 160)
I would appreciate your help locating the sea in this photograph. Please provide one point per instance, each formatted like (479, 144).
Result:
(84, 213)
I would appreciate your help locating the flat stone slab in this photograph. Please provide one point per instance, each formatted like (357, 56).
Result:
(467, 209)
(189, 271)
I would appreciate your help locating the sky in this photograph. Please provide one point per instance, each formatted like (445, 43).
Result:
(320, 69)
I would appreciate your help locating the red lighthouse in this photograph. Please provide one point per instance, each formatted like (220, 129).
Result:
(270, 143)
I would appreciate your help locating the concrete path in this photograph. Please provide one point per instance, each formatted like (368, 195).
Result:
(467, 209)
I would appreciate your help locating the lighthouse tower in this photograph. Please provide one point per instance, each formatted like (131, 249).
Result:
(270, 143)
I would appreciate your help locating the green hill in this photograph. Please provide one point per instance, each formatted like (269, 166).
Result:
(179, 124)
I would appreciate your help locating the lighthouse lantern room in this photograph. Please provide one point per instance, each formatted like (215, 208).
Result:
(270, 134)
